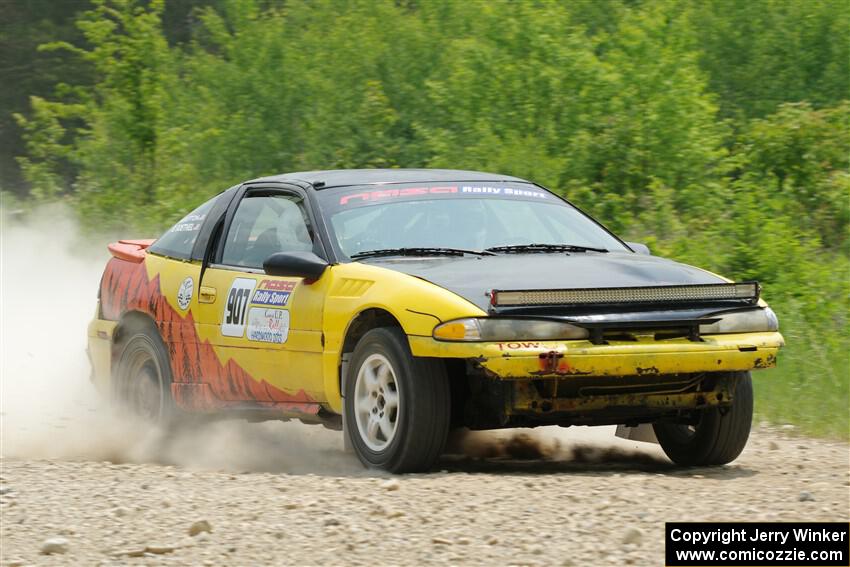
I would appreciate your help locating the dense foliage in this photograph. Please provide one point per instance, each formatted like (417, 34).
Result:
(717, 132)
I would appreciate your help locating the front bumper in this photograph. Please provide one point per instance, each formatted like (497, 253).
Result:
(640, 357)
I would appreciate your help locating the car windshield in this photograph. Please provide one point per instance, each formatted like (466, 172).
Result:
(471, 217)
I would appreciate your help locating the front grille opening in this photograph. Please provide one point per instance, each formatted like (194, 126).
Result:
(672, 334)
(622, 335)
(577, 387)
(619, 336)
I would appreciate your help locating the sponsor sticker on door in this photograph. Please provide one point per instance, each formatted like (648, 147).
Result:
(273, 293)
(271, 298)
(184, 294)
(268, 325)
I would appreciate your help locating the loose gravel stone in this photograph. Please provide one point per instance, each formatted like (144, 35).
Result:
(159, 549)
(54, 545)
(632, 535)
(199, 527)
(130, 552)
(391, 484)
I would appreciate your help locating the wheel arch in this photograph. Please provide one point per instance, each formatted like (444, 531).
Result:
(365, 320)
(131, 325)
(381, 297)
(374, 317)
(362, 322)
(130, 321)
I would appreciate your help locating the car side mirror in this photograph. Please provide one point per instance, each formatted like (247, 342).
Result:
(295, 265)
(639, 248)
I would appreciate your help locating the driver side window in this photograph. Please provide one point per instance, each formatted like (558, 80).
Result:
(263, 225)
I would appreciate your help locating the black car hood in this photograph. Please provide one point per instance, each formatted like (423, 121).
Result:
(471, 277)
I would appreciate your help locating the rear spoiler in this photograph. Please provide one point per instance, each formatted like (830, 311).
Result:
(130, 250)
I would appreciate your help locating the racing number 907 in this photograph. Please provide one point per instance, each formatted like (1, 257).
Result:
(237, 301)
(236, 307)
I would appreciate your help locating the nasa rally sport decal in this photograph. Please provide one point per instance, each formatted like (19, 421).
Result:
(273, 293)
(268, 325)
(184, 294)
(236, 307)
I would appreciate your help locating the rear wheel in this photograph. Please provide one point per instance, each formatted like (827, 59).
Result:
(397, 407)
(718, 436)
(143, 383)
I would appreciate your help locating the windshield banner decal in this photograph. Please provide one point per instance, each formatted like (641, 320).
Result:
(500, 191)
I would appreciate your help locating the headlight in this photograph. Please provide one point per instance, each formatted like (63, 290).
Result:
(503, 330)
(751, 321)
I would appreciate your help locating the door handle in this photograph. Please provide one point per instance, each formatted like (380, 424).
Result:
(207, 294)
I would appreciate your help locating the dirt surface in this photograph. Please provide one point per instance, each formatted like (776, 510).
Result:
(603, 503)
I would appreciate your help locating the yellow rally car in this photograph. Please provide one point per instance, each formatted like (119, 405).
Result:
(398, 304)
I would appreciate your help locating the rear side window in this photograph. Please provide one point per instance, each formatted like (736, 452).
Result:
(180, 238)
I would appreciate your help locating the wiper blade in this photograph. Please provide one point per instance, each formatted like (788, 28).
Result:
(424, 251)
(544, 248)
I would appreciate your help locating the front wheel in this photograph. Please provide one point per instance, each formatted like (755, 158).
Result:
(718, 436)
(397, 406)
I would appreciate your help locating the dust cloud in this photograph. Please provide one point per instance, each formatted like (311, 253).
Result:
(49, 275)
(573, 447)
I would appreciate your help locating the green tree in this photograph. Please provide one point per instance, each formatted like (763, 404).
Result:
(761, 53)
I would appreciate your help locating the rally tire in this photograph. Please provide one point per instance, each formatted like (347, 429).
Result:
(719, 437)
(419, 398)
(143, 375)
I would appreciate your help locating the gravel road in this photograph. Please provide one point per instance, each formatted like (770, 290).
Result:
(588, 501)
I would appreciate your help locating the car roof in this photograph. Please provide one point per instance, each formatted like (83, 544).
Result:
(346, 177)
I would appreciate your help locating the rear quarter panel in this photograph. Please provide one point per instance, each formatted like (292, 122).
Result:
(151, 288)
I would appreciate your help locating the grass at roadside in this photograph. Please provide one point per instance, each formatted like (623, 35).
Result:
(810, 388)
